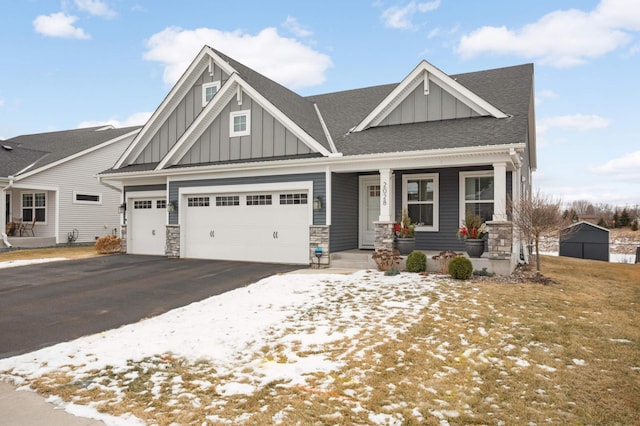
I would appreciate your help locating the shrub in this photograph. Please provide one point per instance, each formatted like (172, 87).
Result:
(108, 244)
(443, 259)
(386, 259)
(391, 272)
(483, 273)
(634, 225)
(460, 268)
(416, 261)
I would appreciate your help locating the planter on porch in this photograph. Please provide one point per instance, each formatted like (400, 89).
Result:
(474, 247)
(406, 245)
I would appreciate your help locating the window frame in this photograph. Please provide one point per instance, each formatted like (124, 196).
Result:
(89, 194)
(436, 198)
(246, 132)
(34, 207)
(463, 176)
(206, 86)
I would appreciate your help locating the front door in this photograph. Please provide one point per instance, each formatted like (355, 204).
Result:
(369, 209)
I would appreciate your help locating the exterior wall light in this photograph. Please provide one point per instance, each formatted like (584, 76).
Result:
(122, 208)
(317, 203)
(171, 206)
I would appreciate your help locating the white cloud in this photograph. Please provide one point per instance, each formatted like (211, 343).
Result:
(562, 38)
(282, 59)
(626, 167)
(59, 25)
(578, 122)
(96, 8)
(136, 119)
(402, 17)
(542, 95)
(1, 102)
(292, 25)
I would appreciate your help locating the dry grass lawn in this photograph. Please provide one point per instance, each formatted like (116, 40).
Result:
(75, 252)
(486, 353)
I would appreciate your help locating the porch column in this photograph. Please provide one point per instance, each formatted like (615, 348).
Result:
(386, 185)
(499, 191)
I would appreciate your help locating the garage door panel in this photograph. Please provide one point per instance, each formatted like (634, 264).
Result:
(266, 233)
(147, 233)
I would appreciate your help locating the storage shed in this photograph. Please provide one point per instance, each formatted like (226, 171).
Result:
(585, 240)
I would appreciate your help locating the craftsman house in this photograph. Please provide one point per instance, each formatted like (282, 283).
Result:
(50, 191)
(235, 166)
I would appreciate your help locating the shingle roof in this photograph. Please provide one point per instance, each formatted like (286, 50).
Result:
(294, 106)
(46, 148)
(508, 89)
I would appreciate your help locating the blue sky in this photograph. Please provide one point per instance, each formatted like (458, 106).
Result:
(74, 63)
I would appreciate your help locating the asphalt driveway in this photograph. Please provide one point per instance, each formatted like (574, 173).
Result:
(44, 304)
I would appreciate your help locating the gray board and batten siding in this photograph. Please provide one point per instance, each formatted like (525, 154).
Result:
(189, 107)
(318, 179)
(268, 138)
(344, 211)
(438, 105)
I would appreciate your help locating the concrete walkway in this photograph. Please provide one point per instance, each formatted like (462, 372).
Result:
(24, 408)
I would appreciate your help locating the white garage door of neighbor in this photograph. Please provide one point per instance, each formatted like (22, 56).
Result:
(259, 227)
(146, 229)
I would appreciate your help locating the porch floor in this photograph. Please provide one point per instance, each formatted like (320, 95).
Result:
(361, 259)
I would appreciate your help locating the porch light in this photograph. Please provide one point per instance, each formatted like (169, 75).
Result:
(122, 208)
(171, 206)
(317, 203)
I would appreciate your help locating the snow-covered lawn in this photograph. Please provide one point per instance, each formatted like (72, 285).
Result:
(343, 349)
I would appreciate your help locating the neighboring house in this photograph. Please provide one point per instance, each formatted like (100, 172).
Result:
(249, 170)
(52, 178)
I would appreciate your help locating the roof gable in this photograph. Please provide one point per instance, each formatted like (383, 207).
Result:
(424, 75)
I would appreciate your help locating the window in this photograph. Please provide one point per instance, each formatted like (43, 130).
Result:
(293, 198)
(240, 123)
(420, 198)
(197, 202)
(34, 205)
(258, 200)
(228, 200)
(85, 198)
(208, 91)
(142, 204)
(374, 190)
(476, 194)
(161, 204)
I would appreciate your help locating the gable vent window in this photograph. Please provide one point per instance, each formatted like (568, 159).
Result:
(84, 198)
(258, 200)
(209, 90)
(293, 198)
(142, 204)
(197, 202)
(240, 123)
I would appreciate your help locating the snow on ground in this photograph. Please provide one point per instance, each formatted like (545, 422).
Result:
(14, 263)
(290, 314)
(613, 257)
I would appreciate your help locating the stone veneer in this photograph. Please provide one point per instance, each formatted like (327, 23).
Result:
(319, 237)
(123, 238)
(172, 247)
(500, 243)
(385, 236)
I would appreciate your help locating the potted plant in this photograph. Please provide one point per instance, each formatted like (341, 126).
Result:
(473, 230)
(405, 234)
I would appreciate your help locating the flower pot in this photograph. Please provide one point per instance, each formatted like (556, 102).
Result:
(406, 245)
(474, 248)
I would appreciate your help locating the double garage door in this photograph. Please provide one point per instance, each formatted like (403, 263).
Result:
(267, 226)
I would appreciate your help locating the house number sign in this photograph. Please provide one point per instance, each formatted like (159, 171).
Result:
(384, 193)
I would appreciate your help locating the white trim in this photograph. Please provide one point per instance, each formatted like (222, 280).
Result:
(325, 129)
(247, 130)
(205, 86)
(329, 201)
(363, 181)
(87, 193)
(424, 70)
(462, 176)
(179, 90)
(74, 156)
(436, 198)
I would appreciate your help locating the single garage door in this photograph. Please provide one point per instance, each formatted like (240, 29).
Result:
(146, 228)
(259, 227)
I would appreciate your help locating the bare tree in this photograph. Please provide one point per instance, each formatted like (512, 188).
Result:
(535, 217)
(583, 207)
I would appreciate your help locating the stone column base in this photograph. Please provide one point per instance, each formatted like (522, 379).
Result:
(172, 247)
(123, 238)
(500, 243)
(319, 237)
(385, 236)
